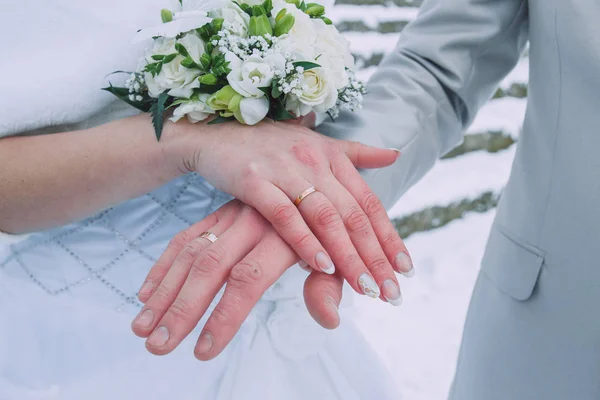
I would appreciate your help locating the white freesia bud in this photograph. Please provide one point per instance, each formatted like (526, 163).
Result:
(314, 91)
(247, 77)
(174, 77)
(253, 110)
(333, 52)
(195, 110)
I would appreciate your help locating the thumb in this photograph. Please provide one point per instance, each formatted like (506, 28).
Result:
(363, 156)
(322, 295)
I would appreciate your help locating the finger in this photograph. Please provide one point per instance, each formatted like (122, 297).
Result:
(159, 270)
(247, 282)
(322, 295)
(386, 233)
(366, 243)
(206, 277)
(167, 290)
(324, 220)
(363, 156)
(285, 218)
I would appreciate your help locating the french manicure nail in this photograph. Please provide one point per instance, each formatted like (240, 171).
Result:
(391, 292)
(146, 288)
(396, 150)
(302, 264)
(205, 344)
(404, 265)
(144, 319)
(324, 263)
(368, 286)
(159, 337)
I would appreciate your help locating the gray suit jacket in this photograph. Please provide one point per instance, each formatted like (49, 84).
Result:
(533, 327)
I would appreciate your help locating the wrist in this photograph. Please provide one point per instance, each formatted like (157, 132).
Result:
(180, 143)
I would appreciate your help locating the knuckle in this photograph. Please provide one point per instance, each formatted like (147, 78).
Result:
(351, 261)
(161, 294)
(190, 252)
(391, 238)
(247, 272)
(326, 216)
(213, 257)
(181, 239)
(302, 240)
(356, 220)
(379, 266)
(283, 214)
(181, 309)
(224, 314)
(371, 203)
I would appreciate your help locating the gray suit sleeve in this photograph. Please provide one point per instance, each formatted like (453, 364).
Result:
(425, 94)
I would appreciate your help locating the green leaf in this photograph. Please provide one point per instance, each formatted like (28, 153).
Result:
(330, 117)
(169, 58)
(158, 112)
(181, 50)
(245, 7)
(275, 92)
(209, 89)
(122, 94)
(158, 57)
(205, 31)
(220, 119)
(278, 111)
(306, 65)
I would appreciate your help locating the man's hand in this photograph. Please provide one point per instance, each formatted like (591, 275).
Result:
(249, 256)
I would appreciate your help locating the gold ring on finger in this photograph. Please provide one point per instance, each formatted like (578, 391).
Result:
(304, 195)
(209, 235)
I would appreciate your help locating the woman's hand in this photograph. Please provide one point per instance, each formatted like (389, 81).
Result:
(343, 223)
(249, 256)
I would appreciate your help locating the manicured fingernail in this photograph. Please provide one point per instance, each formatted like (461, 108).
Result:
(324, 263)
(404, 265)
(391, 292)
(302, 264)
(205, 344)
(159, 337)
(144, 319)
(368, 286)
(332, 307)
(146, 288)
(396, 150)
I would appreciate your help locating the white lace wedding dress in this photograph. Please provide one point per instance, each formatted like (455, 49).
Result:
(68, 295)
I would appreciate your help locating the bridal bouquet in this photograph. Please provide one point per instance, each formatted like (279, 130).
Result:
(244, 61)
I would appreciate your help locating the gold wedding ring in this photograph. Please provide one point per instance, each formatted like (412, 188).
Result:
(304, 195)
(210, 236)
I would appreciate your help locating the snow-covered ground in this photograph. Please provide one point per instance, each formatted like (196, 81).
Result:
(419, 341)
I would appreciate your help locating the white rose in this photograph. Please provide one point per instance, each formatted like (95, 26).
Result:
(316, 91)
(300, 39)
(235, 20)
(195, 110)
(333, 52)
(254, 110)
(247, 77)
(179, 80)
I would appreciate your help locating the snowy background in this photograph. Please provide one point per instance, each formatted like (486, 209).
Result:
(445, 218)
